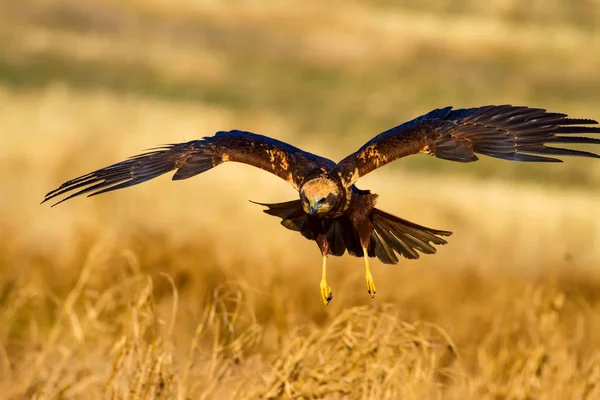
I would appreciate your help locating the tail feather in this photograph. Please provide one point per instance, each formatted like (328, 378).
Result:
(403, 236)
(398, 244)
(390, 236)
(351, 238)
(335, 237)
(420, 231)
(382, 248)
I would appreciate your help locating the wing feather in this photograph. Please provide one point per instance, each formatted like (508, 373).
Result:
(506, 132)
(192, 158)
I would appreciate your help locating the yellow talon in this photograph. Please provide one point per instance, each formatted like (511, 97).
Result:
(326, 294)
(369, 277)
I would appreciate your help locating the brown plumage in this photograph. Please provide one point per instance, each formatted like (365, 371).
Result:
(331, 210)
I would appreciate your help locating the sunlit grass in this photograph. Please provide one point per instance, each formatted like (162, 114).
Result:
(187, 290)
(175, 289)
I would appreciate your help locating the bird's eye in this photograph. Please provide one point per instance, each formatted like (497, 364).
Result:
(322, 200)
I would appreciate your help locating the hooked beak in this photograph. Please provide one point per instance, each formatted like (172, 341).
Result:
(312, 209)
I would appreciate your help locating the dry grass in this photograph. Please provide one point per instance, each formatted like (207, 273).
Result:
(175, 290)
(186, 290)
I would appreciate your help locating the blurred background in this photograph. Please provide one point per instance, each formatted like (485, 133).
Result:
(185, 289)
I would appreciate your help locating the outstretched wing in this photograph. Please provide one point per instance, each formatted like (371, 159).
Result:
(195, 157)
(507, 132)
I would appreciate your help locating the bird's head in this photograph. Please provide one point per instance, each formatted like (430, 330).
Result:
(319, 196)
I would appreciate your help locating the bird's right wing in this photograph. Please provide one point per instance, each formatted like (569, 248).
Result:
(192, 158)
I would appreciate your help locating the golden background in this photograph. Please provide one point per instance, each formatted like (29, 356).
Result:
(187, 290)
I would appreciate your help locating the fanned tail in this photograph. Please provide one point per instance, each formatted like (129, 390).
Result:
(393, 235)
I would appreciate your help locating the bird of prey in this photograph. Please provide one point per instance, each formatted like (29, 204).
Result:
(330, 209)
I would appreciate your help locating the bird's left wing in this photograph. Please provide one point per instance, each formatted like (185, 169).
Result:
(507, 132)
(192, 158)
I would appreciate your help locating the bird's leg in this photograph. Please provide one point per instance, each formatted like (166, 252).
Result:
(323, 244)
(326, 294)
(368, 276)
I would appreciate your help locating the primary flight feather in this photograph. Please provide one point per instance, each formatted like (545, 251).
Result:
(331, 210)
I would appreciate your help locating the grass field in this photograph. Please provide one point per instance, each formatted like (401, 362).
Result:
(186, 290)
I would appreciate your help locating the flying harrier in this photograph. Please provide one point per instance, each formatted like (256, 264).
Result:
(331, 210)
